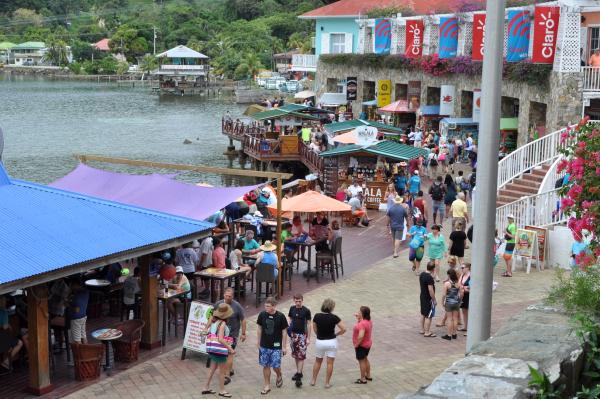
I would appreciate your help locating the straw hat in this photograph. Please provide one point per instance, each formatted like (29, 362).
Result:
(223, 312)
(268, 246)
(398, 200)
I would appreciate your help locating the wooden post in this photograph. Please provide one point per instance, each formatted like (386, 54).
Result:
(39, 345)
(150, 338)
(279, 251)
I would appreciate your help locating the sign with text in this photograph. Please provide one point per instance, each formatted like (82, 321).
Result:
(414, 94)
(476, 105)
(195, 333)
(383, 36)
(519, 28)
(525, 241)
(351, 88)
(374, 194)
(545, 33)
(478, 37)
(414, 38)
(366, 135)
(542, 236)
(384, 93)
(448, 37)
(447, 100)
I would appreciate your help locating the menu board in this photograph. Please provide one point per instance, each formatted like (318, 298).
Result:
(525, 242)
(330, 175)
(542, 235)
(195, 336)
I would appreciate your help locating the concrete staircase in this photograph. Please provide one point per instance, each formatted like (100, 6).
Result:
(525, 185)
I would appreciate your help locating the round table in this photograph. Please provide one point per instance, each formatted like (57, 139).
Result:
(106, 335)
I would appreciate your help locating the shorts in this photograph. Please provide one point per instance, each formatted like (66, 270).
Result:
(78, 332)
(438, 207)
(358, 214)
(427, 309)
(361, 353)
(326, 348)
(465, 301)
(397, 234)
(219, 359)
(510, 247)
(269, 357)
(452, 307)
(416, 254)
(298, 345)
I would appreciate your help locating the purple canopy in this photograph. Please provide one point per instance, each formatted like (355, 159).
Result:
(155, 192)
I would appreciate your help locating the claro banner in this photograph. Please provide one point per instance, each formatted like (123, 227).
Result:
(478, 37)
(414, 38)
(545, 32)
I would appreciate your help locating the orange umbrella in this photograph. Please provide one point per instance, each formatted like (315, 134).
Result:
(346, 138)
(397, 107)
(310, 202)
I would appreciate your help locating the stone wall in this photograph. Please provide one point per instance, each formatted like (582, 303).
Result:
(562, 96)
(498, 368)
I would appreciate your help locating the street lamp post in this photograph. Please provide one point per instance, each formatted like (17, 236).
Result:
(480, 301)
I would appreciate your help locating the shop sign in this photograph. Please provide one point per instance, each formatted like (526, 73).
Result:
(414, 38)
(374, 194)
(195, 335)
(447, 100)
(414, 94)
(519, 27)
(384, 93)
(478, 37)
(448, 37)
(545, 33)
(366, 135)
(351, 88)
(476, 105)
(383, 36)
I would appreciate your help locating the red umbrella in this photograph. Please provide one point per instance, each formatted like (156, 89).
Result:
(397, 107)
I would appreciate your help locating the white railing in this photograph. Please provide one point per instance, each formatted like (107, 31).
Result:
(591, 78)
(551, 176)
(304, 62)
(535, 210)
(182, 67)
(527, 157)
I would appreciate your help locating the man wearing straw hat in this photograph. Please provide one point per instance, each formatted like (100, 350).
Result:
(398, 216)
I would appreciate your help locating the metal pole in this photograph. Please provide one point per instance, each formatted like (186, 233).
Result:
(154, 40)
(480, 307)
(278, 233)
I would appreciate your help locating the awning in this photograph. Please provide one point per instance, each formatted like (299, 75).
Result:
(426, 110)
(388, 149)
(155, 191)
(346, 138)
(354, 123)
(254, 109)
(332, 99)
(181, 51)
(397, 107)
(459, 121)
(275, 113)
(509, 123)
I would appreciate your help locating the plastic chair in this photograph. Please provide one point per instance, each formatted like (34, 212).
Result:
(264, 274)
(127, 348)
(87, 359)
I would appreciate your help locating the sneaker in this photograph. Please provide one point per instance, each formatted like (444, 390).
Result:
(298, 383)
(295, 377)
(447, 337)
(455, 336)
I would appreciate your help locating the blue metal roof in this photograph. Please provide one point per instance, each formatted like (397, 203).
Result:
(459, 121)
(43, 229)
(429, 110)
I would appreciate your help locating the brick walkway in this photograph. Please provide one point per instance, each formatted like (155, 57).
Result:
(402, 360)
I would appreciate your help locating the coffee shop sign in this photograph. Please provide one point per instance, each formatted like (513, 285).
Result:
(366, 135)
(373, 194)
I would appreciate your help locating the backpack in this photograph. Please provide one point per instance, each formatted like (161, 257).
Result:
(437, 192)
(433, 161)
(558, 183)
(464, 185)
(442, 156)
(453, 295)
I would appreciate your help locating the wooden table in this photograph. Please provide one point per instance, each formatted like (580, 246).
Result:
(308, 245)
(221, 275)
(106, 335)
(164, 297)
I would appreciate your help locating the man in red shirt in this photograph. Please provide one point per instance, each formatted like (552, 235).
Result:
(420, 209)
(413, 165)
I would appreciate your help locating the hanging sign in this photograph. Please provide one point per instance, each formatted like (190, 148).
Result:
(414, 94)
(476, 105)
(545, 33)
(383, 36)
(448, 37)
(366, 135)
(351, 88)
(519, 27)
(447, 100)
(414, 38)
(478, 37)
(384, 93)
(195, 332)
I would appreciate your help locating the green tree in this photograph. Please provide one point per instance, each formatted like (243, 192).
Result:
(126, 41)
(23, 18)
(122, 68)
(253, 64)
(108, 65)
(85, 51)
(149, 63)
(57, 52)
(299, 41)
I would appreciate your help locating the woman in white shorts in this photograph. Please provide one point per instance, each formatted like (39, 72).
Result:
(324, 324)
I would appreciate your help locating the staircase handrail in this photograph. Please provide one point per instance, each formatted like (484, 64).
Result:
(552, 176)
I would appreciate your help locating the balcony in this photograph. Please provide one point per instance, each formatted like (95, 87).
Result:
(183, 67)
(591, 78)
(304, 62)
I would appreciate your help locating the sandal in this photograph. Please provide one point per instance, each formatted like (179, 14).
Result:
(506, 275)
(359, 381)
(225, 394)
(440, 325)
(422, 332)
(279, 382)
(227, 380)
(208, 392)
(265, 391)
(414, 268)
(430, 335)
(327, 386)
(462, 329)
(369, 378)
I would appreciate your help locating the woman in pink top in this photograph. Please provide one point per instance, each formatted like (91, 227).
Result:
(219, 254)
(362, 340)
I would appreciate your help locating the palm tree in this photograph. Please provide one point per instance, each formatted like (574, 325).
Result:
(149, 63)
(57, 53)
(253, 63)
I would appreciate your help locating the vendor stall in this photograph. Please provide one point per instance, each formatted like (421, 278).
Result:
(509, 131)
(402, 116)
(458, 128)
(369, 110)
(337, 128)
(370, 165)
(428, 117)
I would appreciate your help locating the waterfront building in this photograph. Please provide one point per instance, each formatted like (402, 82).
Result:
(5, 51)
(182, 71)
(27, 54)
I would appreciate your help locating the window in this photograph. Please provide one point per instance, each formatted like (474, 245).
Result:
(338, 43)
(594, 38)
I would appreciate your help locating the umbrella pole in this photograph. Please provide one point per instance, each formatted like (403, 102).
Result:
(280, 246)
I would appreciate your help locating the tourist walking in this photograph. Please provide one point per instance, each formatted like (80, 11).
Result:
(272, 343)
(427, 299)
(509, 235)
(219, 348)
(420, 209)
(459, 210)
(465, 286)
(236, 322)
(362, 340)
(450, 195)
(416, 246)
(299, 318)
(398, 217)
(414, 185)
(458, 242)
(451, 301)
(437, 191)
(326, 345)
(432, 163)
(437, 249)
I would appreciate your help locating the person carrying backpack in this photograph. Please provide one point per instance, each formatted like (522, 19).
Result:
(437, 193)
(451, 300)
(472, 182)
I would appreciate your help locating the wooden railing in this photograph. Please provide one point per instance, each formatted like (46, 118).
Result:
(261, 147)
(237, 129)
(311, 159)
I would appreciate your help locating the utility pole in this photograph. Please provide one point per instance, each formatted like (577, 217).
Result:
(154, 40)
(480, 308)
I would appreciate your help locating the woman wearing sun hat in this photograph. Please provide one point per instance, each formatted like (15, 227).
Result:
(218, 328)
(269, 256)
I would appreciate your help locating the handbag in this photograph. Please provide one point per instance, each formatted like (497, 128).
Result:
(214, 347)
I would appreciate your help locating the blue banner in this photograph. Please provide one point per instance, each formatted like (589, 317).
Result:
(448, 37)
(519, 28)
(383, 36)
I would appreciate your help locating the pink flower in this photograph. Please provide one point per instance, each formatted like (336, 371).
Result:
(562, 165)
(566, 202)
(564, 136)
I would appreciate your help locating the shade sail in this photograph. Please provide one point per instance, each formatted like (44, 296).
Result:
(155, 192)
(347, 138)
(310, 202)
(397, 107)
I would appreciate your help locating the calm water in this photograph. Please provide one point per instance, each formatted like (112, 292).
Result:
(45, 122)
